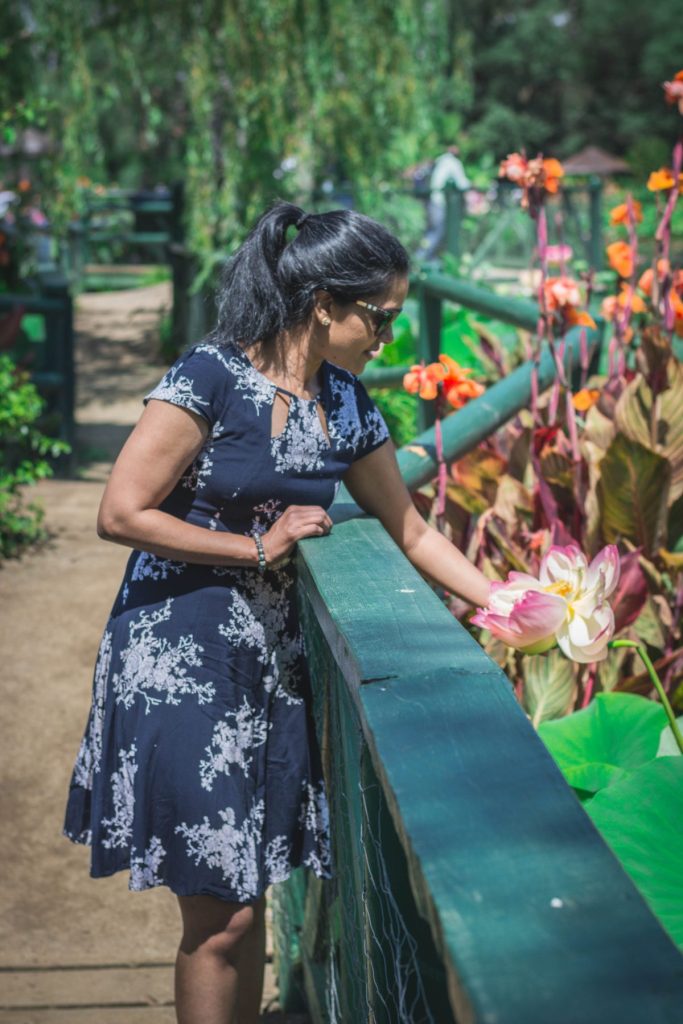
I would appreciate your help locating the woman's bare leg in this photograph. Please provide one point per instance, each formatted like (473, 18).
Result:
(219, 966)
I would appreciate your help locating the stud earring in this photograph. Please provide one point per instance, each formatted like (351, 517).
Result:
(326, 321)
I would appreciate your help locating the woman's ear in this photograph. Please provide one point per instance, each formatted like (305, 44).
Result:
(322, 307)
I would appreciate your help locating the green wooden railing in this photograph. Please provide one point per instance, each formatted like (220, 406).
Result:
(470, 886)
(52, 359)
(432, 289)
(153, 222)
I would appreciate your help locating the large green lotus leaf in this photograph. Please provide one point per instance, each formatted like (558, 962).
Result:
(549, 686)
(633, 493)
(667, 741)
(615, 735)
(632, 415)
(641, 818)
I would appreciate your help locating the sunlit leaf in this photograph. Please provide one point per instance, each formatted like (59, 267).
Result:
(633, 491)
(613, 736)
(633, 415)
(549, 685)
(641, 818)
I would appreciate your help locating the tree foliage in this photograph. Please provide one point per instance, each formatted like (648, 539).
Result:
(249, 99)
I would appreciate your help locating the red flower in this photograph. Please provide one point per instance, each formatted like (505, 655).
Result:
(423, 380)
(534, 176)
(562, 295)
(456, 387)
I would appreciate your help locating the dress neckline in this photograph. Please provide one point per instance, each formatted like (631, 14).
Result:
(308, 401)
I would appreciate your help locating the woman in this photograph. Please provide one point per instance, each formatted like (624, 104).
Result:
(199, 767)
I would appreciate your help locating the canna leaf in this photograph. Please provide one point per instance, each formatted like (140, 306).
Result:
(549, 686)
(633, 414)
(633, 494)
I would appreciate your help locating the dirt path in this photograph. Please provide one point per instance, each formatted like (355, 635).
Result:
(74, 950)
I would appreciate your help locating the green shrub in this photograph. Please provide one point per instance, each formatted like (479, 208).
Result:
(24, 458)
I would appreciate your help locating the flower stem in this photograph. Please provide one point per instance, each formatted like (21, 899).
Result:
(656, 682)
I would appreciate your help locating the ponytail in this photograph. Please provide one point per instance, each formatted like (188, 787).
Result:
(268, 285)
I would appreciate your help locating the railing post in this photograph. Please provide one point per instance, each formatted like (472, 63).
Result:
(428, 345)
(455, 208)
(59, 351)
(596, 240)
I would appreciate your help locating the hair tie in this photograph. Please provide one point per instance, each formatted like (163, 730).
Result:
(301, 221)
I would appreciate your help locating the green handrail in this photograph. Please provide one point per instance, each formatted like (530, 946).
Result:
(470, 886)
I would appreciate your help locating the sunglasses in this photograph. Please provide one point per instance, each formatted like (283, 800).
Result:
(384, 318)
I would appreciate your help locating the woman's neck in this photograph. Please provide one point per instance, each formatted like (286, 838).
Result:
(292, 364)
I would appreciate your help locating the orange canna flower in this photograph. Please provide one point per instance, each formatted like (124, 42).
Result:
(579, 318)
(423, 380)
(626, 297)
(542, 175)
(561, 292)
(620, 258)
(456, 386)
(663, 179)
(646, 279)
(677, 304)
(514, 168)
(553, 171)
(584, 399)
(619, 215)
(674, 91)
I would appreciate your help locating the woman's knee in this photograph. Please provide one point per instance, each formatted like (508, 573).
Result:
(217, 926)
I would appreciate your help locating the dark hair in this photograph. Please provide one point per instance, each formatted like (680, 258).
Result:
(267, 286)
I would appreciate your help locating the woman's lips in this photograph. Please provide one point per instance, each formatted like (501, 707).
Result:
(372, 353)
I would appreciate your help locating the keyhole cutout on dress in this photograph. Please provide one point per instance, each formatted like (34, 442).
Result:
(280, 415)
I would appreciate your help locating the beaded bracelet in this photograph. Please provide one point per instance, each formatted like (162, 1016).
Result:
(262, 564)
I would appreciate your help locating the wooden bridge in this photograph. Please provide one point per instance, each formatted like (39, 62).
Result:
(471, 887)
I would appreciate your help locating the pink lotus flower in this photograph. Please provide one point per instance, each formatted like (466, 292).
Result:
(566, 606)
(522, 614)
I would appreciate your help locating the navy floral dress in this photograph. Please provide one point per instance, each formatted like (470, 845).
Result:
(199, 767)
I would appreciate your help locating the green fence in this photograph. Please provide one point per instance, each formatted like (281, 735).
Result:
(123, 224)
(50, 358)
(470, 885)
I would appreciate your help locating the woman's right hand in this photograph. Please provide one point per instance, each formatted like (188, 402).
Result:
(296, 522)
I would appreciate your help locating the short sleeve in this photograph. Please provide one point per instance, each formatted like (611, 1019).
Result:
(196, 381)
(373, 430)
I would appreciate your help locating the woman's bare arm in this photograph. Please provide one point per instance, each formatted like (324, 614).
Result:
(165, 441)
(375, 483)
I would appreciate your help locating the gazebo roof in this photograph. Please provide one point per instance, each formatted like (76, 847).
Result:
(593, 160)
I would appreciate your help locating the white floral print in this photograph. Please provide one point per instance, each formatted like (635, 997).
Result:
(149, 566)
(201, 687)
(257, 388)
(347, 427)
(230, 848)
(144, 869)
(178, 389)
(277, 858)
(315, 818)
(302, 443)
(90, 753)
(258, 617)
(157, 669)
(264, 515)
(233, 742)
(120, 825)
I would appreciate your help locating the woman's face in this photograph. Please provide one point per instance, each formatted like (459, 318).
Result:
(351, 338)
